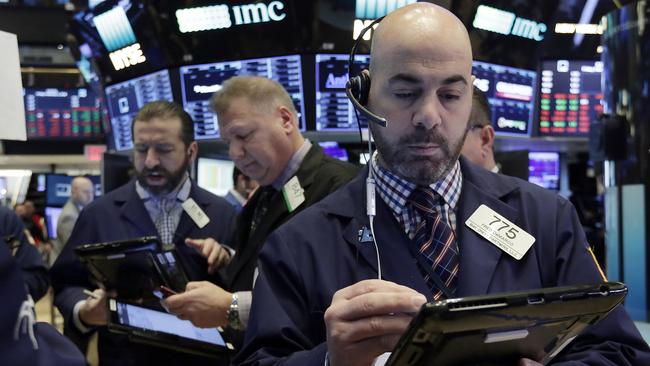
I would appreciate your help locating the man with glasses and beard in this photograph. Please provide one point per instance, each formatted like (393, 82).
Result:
(152, 205)
(318, 299)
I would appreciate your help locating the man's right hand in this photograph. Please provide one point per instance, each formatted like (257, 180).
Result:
(94, 311)
(367, 319)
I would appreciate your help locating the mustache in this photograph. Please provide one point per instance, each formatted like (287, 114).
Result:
(423, 136)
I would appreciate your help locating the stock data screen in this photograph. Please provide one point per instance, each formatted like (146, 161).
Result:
(126, 98)
(62, 113)
(570, 97)
(199, 82)
(334, 112)
(544, 169)
(511, 94)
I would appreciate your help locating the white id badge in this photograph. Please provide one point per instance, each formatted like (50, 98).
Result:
(196, 213)
(293, 193)
(500, 231)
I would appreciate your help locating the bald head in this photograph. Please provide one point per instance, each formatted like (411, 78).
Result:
(422, 31)
(421, 82)
(82, 191)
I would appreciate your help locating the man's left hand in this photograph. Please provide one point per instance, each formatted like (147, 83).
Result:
(216, 255)
(203, 303)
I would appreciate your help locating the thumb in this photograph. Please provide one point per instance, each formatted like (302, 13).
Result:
(192, 285)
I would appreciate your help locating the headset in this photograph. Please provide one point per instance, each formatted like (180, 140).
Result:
(357, 89)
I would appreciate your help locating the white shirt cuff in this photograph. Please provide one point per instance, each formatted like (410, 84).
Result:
(77, 321)
(244, 299)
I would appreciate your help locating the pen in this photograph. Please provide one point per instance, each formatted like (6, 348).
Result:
(91, 294)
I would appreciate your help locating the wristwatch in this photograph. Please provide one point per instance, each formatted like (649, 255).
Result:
(232, 315)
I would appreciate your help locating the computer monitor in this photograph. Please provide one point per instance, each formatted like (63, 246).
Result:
(126, 98)
(53, 113)
(51, 219)
(58, 189)
(116, 170)
(334, 112)
(511, 94)
(544, 169)
(333, 149)
(199, 82)
(570, 97)
(215, 175)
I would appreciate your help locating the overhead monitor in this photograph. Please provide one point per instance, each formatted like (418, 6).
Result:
(215, 175)
(570, 97)
(199, 82)
(52, 113)
(126, 98)
(544, 169)
(511, 94)
(334, 112)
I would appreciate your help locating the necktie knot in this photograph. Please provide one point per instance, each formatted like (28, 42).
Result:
(425, 201)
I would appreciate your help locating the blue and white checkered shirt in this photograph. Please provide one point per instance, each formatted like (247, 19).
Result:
(395, 191)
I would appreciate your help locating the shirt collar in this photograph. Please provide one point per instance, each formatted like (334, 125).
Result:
(181, 192)
(395, 190)
(292, 166)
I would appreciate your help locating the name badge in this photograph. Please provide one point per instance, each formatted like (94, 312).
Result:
(293, 194)
(196, 213)
(500, 231)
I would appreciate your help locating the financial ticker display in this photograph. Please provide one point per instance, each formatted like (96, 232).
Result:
(126, 98)
(511, 94)
(334, 112)
(62, 113)
(570, 97)
(199, 82)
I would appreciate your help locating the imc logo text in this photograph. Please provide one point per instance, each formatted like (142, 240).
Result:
(219, 16)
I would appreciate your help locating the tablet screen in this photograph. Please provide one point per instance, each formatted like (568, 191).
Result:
(157, 321)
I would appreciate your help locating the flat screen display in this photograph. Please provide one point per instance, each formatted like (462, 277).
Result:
(199, 82)
(126, 98)
(334, 112)
(333, 149)
(544, 169)
(52, 113)
(58, 188)
(215, 175)
(511, 94)
(158, 321)
(570, 97)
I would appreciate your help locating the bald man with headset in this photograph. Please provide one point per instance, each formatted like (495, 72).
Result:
(318, 301)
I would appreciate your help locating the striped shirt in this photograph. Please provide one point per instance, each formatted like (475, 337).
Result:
(395, 191)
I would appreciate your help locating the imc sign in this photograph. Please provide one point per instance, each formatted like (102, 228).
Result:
(223, 16)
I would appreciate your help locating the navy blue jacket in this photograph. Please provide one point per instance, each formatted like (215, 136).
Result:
(51, 347)
(318, 252)
(121, 215)
(27, 256)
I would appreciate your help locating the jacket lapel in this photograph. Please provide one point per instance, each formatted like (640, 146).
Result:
(478, 257)
(397, 263)
(135, 213)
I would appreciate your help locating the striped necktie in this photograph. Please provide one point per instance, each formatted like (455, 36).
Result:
(436, 241)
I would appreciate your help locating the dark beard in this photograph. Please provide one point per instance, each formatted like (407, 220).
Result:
(173, 178)
(421, 170)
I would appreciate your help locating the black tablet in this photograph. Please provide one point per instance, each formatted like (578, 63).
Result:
(134, 268)
(165, 330)
(500, 329)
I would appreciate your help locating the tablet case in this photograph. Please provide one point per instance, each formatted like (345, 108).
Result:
(134, 268)
(500, 329)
